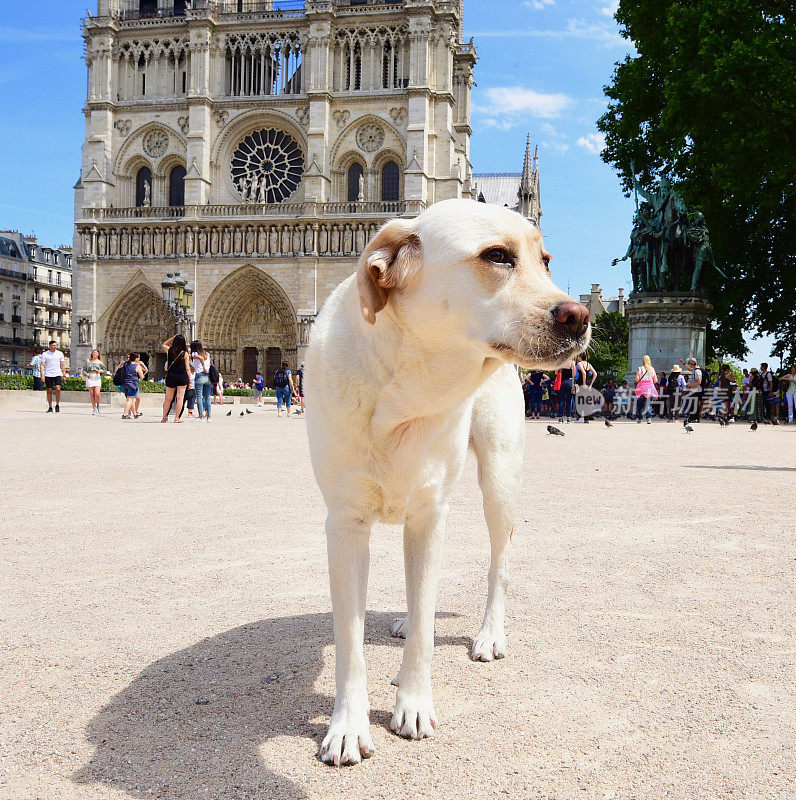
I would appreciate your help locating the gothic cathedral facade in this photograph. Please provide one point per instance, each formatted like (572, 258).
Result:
(255, 148)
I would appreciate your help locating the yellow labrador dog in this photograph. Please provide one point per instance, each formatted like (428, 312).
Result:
(410, 362)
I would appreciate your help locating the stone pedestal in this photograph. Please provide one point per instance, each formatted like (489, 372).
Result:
(666, 327)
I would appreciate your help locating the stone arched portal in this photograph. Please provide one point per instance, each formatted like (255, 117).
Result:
(139, 321)
(248, 311)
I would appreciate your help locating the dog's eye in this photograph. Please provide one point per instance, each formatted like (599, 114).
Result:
(546, 259)
(498, 255)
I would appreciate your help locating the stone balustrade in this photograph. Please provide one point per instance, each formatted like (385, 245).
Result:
(192, 238)
(248, 210)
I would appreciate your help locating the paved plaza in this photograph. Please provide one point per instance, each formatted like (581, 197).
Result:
(165, 626)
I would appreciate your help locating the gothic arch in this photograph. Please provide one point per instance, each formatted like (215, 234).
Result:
(248, 309)
(137, 320)
(346, 141)
(135, 141)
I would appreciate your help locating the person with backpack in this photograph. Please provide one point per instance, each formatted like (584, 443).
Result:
(283, 383)
(259, 384)
(645, 390)
(132, 371)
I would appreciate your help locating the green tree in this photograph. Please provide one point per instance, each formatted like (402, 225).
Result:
(709, 100)
(609, 344)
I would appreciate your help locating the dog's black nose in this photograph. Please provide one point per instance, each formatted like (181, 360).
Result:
(572, 317)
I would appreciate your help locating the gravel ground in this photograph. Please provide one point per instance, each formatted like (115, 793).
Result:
(165, 627)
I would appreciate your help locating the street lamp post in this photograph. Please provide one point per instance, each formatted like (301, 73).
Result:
(178, 296)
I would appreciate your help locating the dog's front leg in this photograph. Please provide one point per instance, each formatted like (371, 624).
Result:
(414, 716)
(347, 543)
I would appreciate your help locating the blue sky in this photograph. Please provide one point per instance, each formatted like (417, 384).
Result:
(541, 68)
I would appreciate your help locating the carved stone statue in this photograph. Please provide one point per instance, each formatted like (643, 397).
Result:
(361, 189)
(668, 244)
(261, 192)
(147, 193)
(83, 329)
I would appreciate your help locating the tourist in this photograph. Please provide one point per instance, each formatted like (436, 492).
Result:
(645, 389)
(535, 380)
(662, 384)
(675, 386)
(769, 389)
(259, 385)
(582, 371)
(789, 378)
(623, 395)
(133, 371)
(53, 371)
(300, 387)
(609, 393)
(190, 394)
(564, 388)
(692, 405)
(35, 365)
(726, 386)
(283, 383)
(204, 388)
(93, 371)
(177, 379)
(218, 390)
(754, 412)
(745, 386)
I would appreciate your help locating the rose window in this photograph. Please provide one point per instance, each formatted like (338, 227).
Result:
(267, 166)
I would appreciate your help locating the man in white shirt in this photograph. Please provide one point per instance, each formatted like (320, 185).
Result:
(53, 369)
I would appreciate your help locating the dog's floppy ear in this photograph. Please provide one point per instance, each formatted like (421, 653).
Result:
(388, 263)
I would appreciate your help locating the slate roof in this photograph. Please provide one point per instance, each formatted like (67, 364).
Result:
(500, 188)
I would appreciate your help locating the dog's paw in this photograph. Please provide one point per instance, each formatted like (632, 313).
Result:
(400, 627)
(414, 717)
(347, 741)
(488, 646)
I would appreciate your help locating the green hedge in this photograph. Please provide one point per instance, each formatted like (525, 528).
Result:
(68, 384)
(239, 392)
(16, 381)
(151, 387)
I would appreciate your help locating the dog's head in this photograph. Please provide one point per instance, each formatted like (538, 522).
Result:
(477, 273)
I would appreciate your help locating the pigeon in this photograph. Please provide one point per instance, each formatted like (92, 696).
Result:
(248, 411)
(753, 426)
(722, 423)
(608, 424)
(552, 429)
(229, 413)
(241, 413)
(688, 428)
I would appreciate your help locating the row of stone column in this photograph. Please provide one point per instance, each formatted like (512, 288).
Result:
(181, 240)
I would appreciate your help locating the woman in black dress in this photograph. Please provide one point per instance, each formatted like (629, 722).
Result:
(177, 379)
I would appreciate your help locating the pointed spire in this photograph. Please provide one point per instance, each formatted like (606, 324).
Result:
(527, 171)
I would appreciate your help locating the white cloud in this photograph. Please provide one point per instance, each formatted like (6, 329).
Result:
(605, 33)
(554, 141)
(501, 124)
(593, 143)
(610, 9)
(514, 100)
(538, 4)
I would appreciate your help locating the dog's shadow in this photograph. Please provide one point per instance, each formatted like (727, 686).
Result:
(191, 724)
